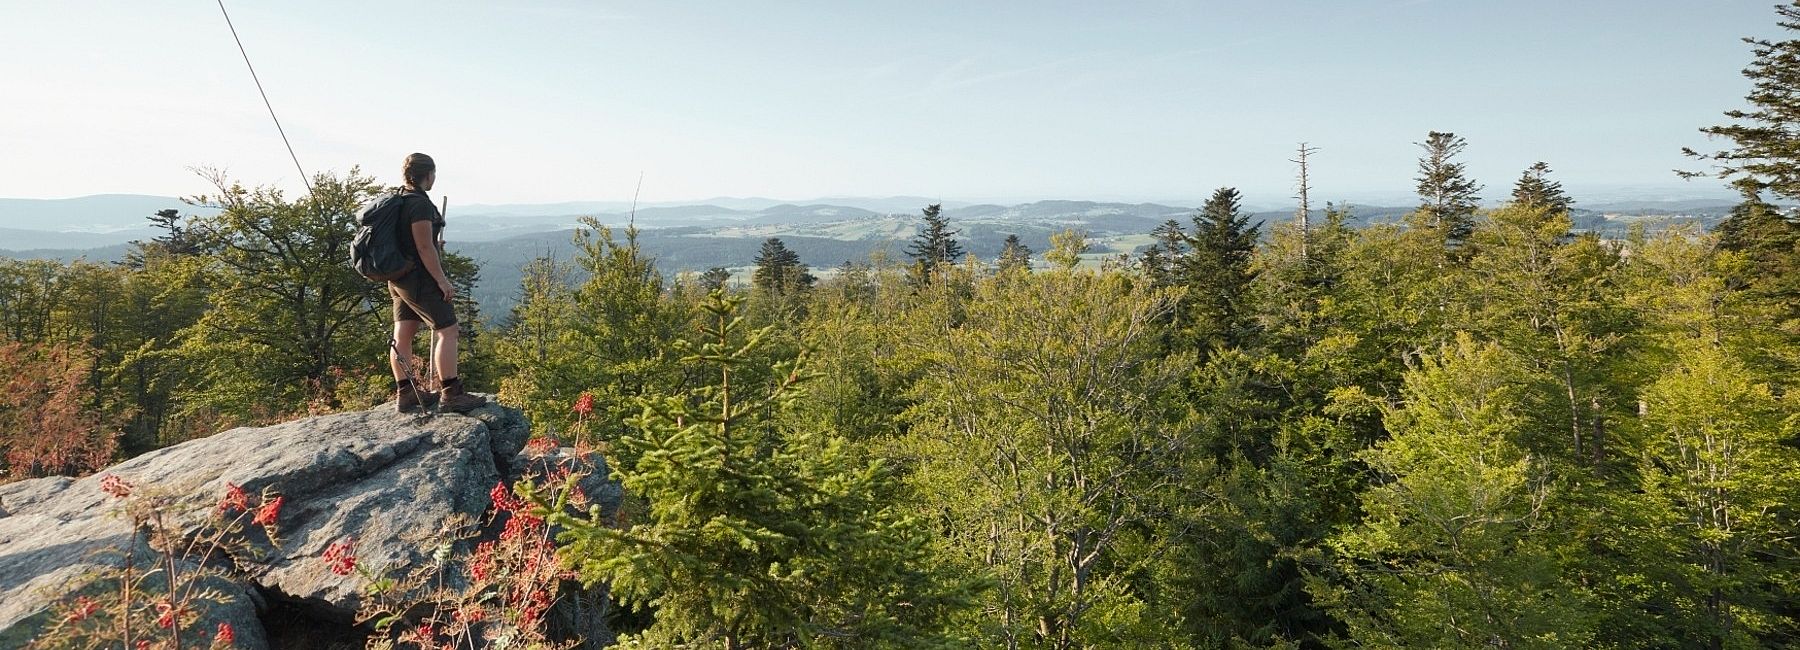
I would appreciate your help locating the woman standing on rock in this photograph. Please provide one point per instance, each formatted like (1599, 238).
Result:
(424, 294)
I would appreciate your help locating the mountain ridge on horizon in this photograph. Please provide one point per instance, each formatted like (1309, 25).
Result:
(104, 219)
(1256, 201)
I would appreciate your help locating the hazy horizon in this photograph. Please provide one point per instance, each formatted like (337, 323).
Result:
(1698, 190)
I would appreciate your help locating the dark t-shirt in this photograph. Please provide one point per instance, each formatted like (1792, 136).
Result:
(418, 207)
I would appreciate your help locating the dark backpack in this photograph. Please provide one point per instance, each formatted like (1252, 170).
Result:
(375, 253)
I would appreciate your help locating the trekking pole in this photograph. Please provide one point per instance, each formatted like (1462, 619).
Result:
(432, 345)
(394, 344)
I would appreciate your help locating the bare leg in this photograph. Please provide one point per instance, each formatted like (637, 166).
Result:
(400, 356)
(443, 356)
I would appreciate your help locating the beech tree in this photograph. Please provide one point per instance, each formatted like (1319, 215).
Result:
(1717, 474)
(1048, 455)
(1457, 548)
(282, 294)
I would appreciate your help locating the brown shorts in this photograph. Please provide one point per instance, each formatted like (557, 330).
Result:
(417, 298)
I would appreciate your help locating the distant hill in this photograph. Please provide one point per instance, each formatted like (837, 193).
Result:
(101, 254)
(1693, 206)
(695, 237)
(100, 213)
(19, 239)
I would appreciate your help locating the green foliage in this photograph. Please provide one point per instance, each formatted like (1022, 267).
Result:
(758, 534)
(174, 328)
(281, 293)
(1552, 299)
(1764, 154)
(1014, 255)
(714, 278)
(1158, 261)
(604, 338)
(779, 270)
(1769, 243)
(1455, 546)
(1476, 429)
(1448, 197)
(934, 247)
(1718, 482)
(1213, 264)
(1040, 434)
(1066, 248)
(1534, 189)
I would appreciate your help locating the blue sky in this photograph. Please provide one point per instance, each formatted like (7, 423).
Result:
(1163, 101)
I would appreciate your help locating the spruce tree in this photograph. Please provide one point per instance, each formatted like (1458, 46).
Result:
(758, 533)
(1765, 154)
(1536, 190)
(604, 337)
(935, 243)
(1217, 270)
(714, 279)
(1014, 255)
(1447, 197)
(779, 270)
(1770, 245)
(1161, 259)
(933, 248)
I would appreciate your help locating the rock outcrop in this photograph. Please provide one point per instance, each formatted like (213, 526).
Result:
(389, 481)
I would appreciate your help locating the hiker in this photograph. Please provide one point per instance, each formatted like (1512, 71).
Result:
(424, 294)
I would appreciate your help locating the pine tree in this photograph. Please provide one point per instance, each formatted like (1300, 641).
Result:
(1536, 190)
(1448, 198)
(1014, 255)
(1765, 154)
(176, 239)
(779, 270)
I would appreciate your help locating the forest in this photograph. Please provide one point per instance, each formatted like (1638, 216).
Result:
(1477, 428)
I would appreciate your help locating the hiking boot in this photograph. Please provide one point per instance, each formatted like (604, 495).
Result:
(456, 400)
(414, 400)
